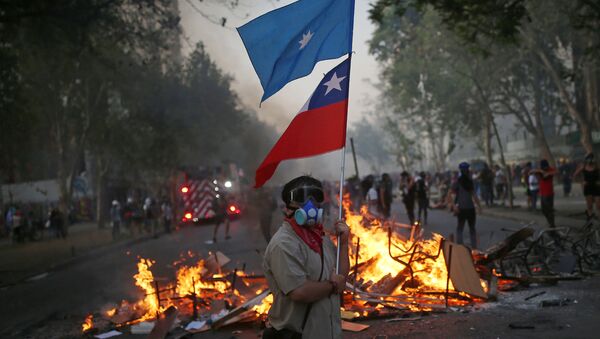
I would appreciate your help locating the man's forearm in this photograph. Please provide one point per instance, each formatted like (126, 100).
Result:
(311, 291)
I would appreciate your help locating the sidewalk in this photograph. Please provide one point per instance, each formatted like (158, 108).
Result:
(19, 262)
(569, 211)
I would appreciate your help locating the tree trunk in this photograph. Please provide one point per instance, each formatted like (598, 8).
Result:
(540, 135)
(488, 137)
(100, 196)
(504, 165)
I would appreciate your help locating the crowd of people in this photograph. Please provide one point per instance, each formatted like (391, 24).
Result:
(464, 190)
(141, 218)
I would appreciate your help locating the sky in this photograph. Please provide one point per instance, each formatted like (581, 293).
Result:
(226, 49)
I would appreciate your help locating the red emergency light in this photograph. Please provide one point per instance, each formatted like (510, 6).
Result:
(185, 189)
(234, 210)
(187, 216)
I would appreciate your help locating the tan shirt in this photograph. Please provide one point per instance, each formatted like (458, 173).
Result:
(288, 263)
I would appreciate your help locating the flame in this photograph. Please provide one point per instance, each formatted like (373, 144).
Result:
(264, 306)
(111, 312)
(429, 273)
(88, 323)
(189, 280)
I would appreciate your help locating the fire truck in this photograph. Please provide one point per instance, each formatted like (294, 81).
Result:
(198, 191)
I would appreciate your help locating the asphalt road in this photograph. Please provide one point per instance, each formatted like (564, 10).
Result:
(57, 303)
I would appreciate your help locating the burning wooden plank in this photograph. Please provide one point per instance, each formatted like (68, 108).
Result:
(388, 283)
(248, 305)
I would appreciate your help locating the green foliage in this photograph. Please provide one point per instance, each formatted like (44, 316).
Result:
(106, 78)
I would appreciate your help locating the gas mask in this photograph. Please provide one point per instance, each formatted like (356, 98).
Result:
(308, 214)
(308, 198)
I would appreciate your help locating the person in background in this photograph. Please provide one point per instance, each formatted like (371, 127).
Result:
(501, 186)
(115, 219)
(591, 184)
(219, 205)
(372, 199)
(533, 188)
(525, 182)
(167, 215)
(385, 195)
(566, 175)
(300, 267)
(487, 185)
(462, 201)
(546, 181)
(407, 187)
(422, 196)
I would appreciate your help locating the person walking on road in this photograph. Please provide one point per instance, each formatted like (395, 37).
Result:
(463, 200)
(501, 184)
(385, 195)
(167, 216)
(115, 219)
(546, 181)
(534, 189)
(407, 187)
(487, 185)
(300, 267)
(220, 207)
(422, 192)
(591, 184)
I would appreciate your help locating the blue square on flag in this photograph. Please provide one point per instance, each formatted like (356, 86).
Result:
(285, 44)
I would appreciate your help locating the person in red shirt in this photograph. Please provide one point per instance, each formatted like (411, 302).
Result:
(546, 181)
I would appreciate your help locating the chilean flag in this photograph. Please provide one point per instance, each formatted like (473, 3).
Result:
(320, 126)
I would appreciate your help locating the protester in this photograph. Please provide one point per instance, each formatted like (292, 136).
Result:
(266, 204)
(501, 184)
(372, 199)
(385, 195)
(487, 185)
(219, 206)
(407, 186)
(167, 216)
(591, 184)
(299, 264)
(57, 223)
(566, 174)
(525, 182)
(462, 199)
(422, 195)
(546, 181)
(115, 219)
(533, 188)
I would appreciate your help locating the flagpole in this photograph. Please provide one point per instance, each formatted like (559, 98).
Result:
(343, 167)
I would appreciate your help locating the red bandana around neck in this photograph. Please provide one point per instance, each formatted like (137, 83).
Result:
(312, 236)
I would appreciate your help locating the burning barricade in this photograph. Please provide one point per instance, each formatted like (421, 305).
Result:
(395, 269)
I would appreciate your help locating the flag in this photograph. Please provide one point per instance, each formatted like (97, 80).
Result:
(286, 43)
(320, 126)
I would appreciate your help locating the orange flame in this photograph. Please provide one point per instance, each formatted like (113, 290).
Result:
(429, 274)
(88, 323)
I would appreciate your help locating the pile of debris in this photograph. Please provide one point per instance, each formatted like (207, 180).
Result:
(204, 295)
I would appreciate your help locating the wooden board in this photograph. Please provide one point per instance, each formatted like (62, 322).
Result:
(462, 270)
(353, 327)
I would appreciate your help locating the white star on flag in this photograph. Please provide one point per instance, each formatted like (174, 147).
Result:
(333, 83)
(305, 39)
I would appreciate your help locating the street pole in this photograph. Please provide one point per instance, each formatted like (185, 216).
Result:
(354, 157)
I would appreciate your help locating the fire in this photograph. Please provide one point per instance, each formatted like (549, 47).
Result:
(88, 323)
(264, 307)
(189, 280)
(419, 267)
